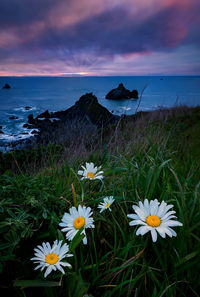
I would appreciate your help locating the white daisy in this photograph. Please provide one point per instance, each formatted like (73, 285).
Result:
(50, 257)
(91, 172)
(75, 220)
(153, 217)
(107, 201)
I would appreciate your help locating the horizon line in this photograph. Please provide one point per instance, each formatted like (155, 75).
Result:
(78, 76)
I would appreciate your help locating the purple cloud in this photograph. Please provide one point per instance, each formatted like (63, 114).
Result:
(34, 34)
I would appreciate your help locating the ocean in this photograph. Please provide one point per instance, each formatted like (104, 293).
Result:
(60, 93)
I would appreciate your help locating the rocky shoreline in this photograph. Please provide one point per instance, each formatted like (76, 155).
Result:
(84, 116)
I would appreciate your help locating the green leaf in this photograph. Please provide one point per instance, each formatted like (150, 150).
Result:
(35, 283)
(77, 239)
(5, 246)
(76, 287)
(155, 178)
(44, 214)
(187, 258)
(60, 235)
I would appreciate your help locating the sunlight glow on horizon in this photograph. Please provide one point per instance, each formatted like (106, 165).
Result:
(5, 74)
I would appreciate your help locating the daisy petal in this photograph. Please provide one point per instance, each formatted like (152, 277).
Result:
(140, 213)
(133, 216)
(137, 222)
(143, 230)
(154, 235)
(52, 256)
(155, 217)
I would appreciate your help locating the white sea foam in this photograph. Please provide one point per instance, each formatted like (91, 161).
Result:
(11, 138)
(31, 130)
(23, 109)
(8, 138)
(126, 108)
(19, 118)
(51, 119)
(54, 119)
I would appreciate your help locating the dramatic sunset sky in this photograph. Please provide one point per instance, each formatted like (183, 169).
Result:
(99, 37)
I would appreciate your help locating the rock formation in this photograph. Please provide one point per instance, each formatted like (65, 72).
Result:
(121, 93)
(13, 118)
(86, 112)
(6, 86)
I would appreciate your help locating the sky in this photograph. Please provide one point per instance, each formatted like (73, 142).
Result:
(99, 37)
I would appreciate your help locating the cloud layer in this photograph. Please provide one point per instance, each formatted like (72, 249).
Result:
(58, 37)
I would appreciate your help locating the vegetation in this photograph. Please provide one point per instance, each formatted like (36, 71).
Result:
(152, 155)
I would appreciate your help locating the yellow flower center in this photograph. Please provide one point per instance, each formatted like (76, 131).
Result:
(107, 205)
(51, 259)
(153, 221)
(79, 222)
(90, 175)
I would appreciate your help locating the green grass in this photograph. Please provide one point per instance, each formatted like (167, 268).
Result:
(115, 261)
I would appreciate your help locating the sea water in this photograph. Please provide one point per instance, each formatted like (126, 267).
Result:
(60, 93)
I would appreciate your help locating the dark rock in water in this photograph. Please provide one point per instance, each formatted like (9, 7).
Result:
(34, 132)
(31, 119)
(1, 132)
(121, 93)
(13, 118)
(45, 115)
(27, 107)
(24, 133)
(134, 94)
(28, 126)
(1, 127)
(6, 86)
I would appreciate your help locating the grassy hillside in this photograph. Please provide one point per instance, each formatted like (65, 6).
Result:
(149, 155)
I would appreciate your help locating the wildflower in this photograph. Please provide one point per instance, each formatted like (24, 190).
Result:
(107, 201)
(75, 220)
(153, 217)
(50, 257)
(91, 172)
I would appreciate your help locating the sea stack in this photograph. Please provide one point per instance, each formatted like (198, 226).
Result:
(122, 93)
(6, 86)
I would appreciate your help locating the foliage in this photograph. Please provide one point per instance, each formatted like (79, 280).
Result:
(19, 160)
(115, 262)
